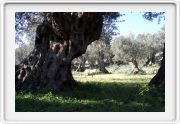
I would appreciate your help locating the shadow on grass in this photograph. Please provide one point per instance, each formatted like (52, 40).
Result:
(94, 97)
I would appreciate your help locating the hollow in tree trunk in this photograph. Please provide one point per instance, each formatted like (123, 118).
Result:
(59, 39)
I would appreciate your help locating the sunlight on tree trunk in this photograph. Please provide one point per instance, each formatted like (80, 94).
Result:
(61, 38)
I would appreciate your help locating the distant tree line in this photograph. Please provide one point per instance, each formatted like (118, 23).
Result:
(103, 52)
(144, 50)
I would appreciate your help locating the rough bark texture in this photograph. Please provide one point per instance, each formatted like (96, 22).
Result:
(159, 78)
(61, 38)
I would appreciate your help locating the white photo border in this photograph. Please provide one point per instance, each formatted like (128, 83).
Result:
(1, 69)
(7, 46)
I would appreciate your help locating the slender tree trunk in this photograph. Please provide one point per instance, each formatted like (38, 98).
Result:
(61, 38)
(159, 78)
(153, 58)
(101, 64)
(83, 63)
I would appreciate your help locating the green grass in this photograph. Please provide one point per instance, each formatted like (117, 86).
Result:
(102, 93)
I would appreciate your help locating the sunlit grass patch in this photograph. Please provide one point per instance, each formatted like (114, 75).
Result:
(108, 78)
(102, 93)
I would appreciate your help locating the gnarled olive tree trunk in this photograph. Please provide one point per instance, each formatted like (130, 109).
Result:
(159, 78)
(61, 38)
(135, 67)
(150, 60)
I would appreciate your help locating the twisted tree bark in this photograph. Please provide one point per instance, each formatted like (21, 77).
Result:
(159, 78)
(61, 38)
(135, 67)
